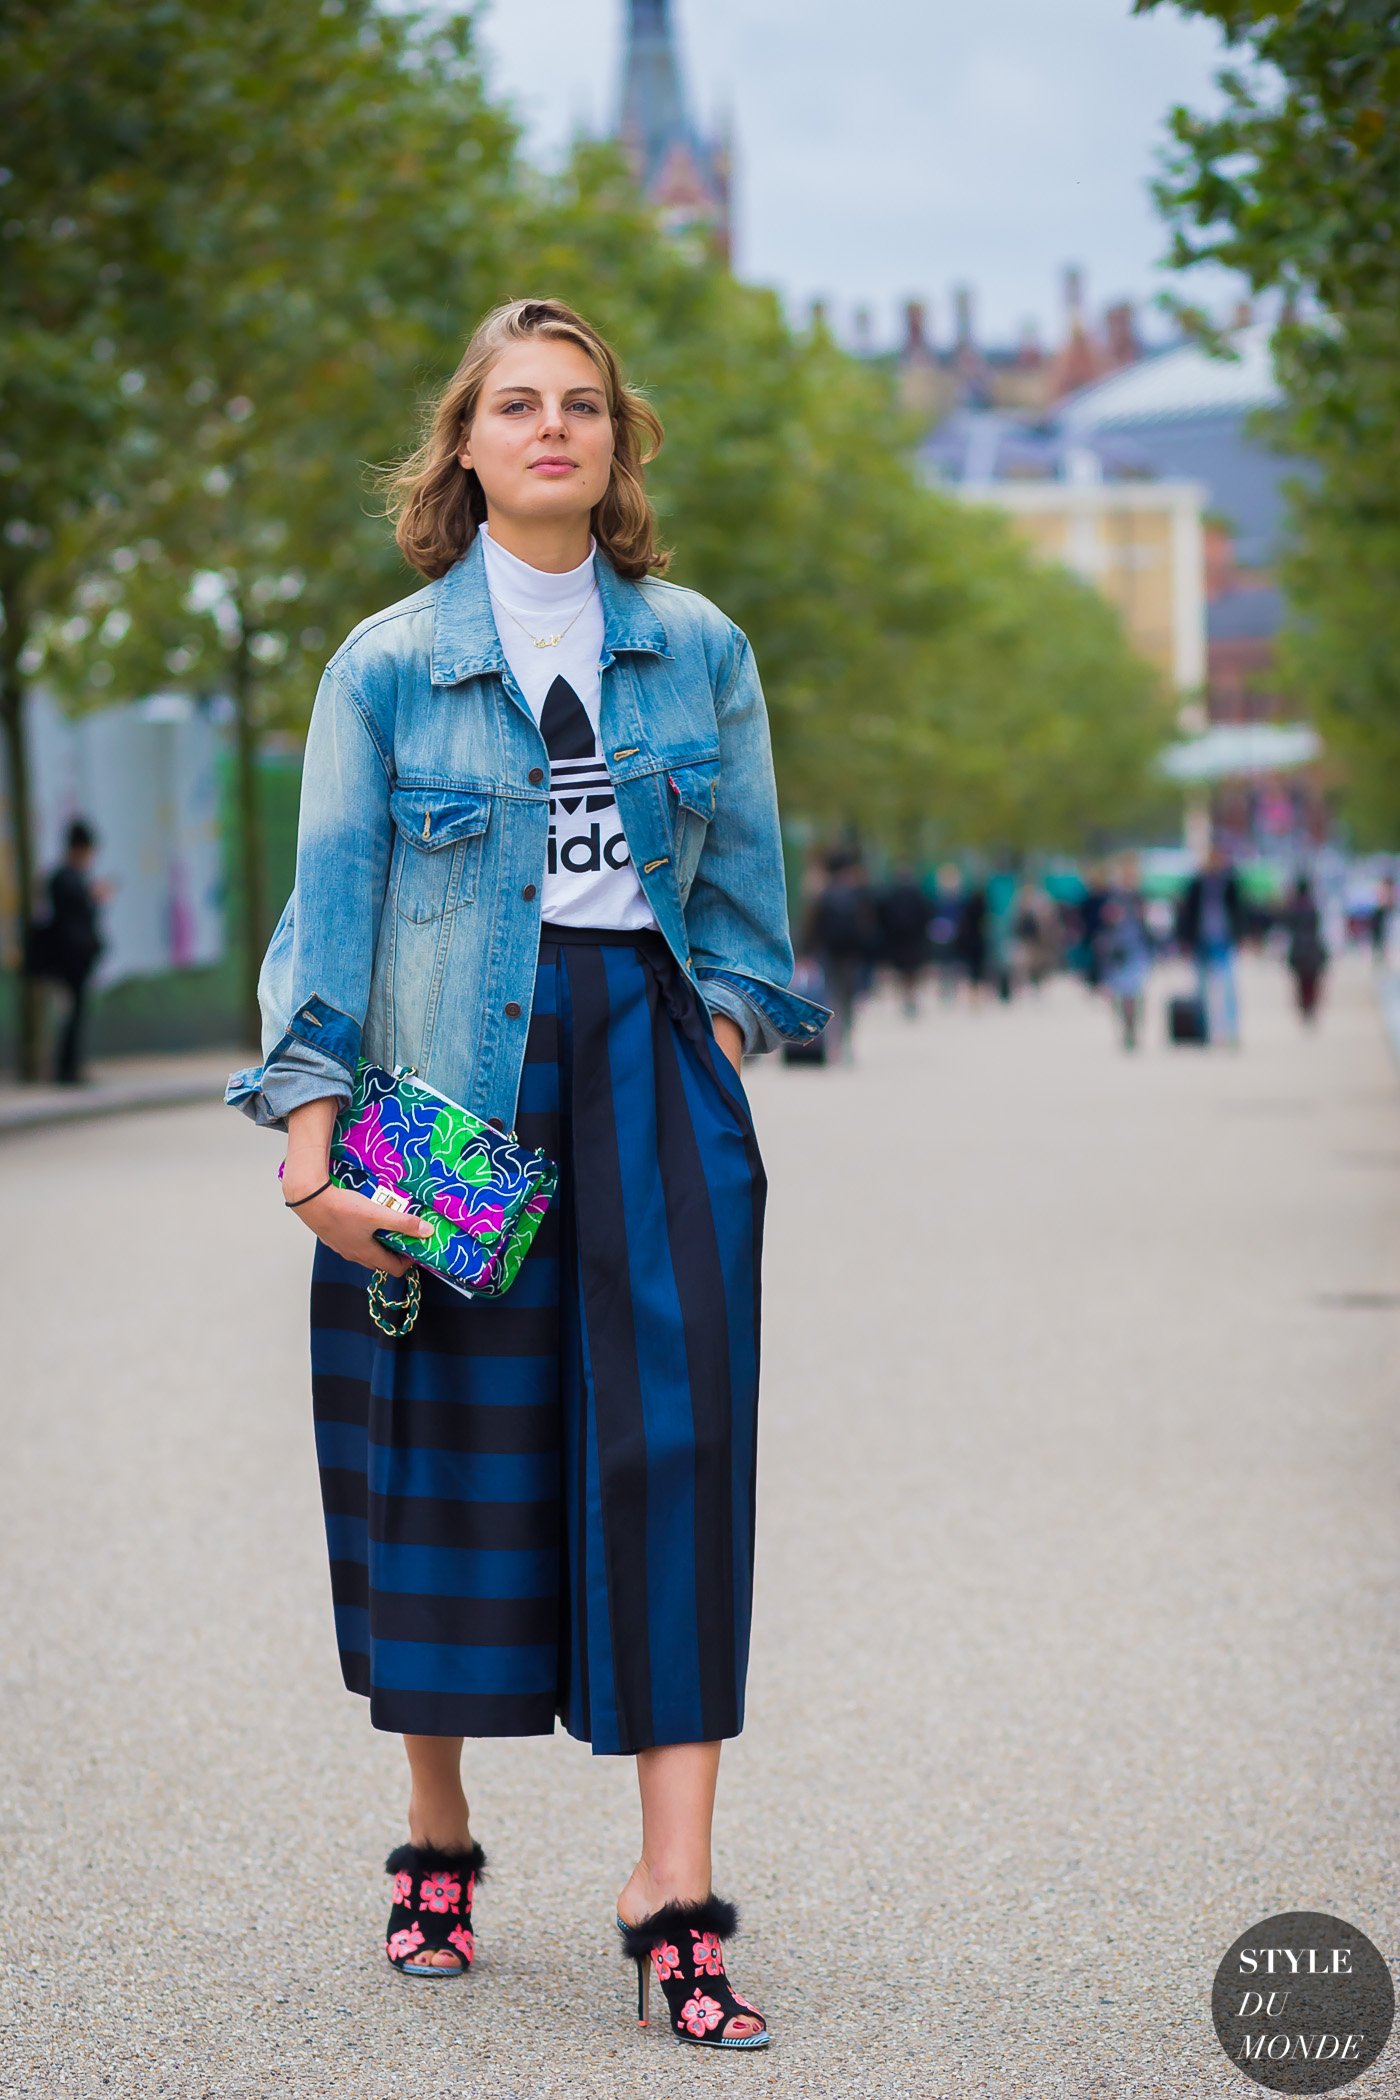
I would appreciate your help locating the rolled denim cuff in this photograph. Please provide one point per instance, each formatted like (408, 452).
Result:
(767, 1014)
(721, 1000)
(300, 1068)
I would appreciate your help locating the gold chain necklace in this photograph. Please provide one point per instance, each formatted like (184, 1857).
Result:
(546, 641)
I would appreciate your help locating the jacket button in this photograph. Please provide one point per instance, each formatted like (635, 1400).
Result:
(536, 775)
(495, 1123)
(512, 1010)
(528, 892)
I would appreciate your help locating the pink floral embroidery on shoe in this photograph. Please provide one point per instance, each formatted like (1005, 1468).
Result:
(442, 1891)
(471, 1889)
(403, 1888)
(709, 1960)
(747, 2003)
(404, 1942)
(665, 1960)
(463, 1940)
(699, 2014)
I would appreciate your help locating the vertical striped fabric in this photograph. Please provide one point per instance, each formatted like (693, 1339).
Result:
(543, 1505)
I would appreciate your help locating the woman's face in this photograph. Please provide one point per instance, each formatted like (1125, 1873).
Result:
(541, 440)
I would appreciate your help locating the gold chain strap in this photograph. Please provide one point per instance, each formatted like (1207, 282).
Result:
(394, 1316)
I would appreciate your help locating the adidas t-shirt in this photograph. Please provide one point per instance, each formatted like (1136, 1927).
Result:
(589, 879)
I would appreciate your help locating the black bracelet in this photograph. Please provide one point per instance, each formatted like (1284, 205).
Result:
(308, 1199)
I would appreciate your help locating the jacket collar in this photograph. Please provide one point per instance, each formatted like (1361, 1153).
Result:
(467, 645)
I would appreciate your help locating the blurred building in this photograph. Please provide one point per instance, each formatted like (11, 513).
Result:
(684, 173)
(935, 379)
(1140, 543)
(1155, 479)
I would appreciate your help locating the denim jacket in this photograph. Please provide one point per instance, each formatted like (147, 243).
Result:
(412, 931)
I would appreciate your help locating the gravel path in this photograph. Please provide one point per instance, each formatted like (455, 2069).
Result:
(1076, 1642)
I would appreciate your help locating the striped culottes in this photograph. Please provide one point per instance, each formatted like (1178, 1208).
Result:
(543, 1505)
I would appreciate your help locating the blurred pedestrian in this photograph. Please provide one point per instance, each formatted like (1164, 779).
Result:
(1382, 918)
(1124, 959)
(64, 947)
(1088, 913)
(843, 934)
(1307, 949)
(1036, 935)
(944, 928)
(902, 911)
(619, 940)
(973, 945)
(1210, 923)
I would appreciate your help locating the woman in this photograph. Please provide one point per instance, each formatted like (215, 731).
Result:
(539, 861)
(1307, 949)
(1123, 951)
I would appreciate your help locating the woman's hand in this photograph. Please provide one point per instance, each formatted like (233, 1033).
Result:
(347, 1223)
(730, 1037)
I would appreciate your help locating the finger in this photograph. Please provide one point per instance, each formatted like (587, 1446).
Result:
(391, 1264)
(402, 1222)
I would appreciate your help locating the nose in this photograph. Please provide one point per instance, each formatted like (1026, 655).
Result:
(552, 421)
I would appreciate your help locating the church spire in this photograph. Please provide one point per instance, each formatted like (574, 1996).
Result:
(684, 174)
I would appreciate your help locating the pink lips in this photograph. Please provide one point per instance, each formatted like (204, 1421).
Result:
(551, 466)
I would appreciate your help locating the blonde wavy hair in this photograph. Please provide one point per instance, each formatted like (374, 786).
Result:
(437, 503)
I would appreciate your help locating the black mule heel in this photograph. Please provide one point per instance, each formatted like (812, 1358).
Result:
(432, 1908)
(682, 1944)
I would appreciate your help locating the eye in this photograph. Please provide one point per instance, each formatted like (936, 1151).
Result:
(589, 408)
(509, 405)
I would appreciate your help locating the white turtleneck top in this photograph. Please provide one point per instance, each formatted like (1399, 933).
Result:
(589, 879)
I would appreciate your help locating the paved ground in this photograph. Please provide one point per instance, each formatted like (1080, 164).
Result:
(118, 1084)
(1076, 1643)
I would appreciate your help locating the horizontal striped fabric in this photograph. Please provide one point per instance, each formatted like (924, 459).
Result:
(542, 1506)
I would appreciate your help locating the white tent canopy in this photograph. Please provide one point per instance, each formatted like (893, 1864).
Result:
(1238, 750)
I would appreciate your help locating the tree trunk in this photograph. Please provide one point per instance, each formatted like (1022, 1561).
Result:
(253, 931)
(29, 1001)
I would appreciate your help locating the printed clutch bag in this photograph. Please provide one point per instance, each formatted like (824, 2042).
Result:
(406, 1146)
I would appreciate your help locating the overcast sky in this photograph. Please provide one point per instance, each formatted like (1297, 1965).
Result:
(889, 149)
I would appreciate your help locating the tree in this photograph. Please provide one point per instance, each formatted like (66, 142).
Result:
(1296, 184)
(289, 319)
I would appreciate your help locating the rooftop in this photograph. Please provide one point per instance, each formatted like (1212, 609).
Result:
(1181, 381)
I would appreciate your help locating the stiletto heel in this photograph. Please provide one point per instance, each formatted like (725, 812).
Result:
(682, 1943)
(433, 1891)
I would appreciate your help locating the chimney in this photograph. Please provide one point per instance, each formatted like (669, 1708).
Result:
(916, 343)
(1028, 350)
(1123, 346)
(962, 316)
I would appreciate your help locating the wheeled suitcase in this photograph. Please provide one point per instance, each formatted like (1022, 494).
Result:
(811, 1053)
(1186, 1020)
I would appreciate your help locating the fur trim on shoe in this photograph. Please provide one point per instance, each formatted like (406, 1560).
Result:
(714, 1914)
(435, 1859)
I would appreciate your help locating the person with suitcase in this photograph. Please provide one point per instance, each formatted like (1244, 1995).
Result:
(1209, 925)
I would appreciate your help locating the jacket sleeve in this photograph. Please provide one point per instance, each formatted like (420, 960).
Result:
(736, 913)
(313, 990)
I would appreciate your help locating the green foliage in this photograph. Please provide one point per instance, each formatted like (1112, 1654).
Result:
(1296, 183)
(245, 243)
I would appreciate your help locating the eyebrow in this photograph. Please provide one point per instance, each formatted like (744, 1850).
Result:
(535, 390)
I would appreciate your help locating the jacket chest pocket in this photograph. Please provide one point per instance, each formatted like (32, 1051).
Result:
(691, 790)
(437, 850)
